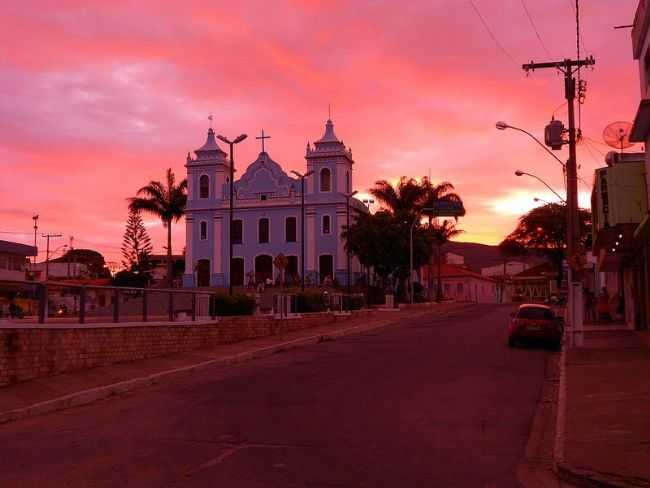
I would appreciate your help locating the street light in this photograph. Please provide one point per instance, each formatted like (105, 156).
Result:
(415, 220)
(503, 126)
(232, 192)
(302, 225)
(522, 173)
(347, 199)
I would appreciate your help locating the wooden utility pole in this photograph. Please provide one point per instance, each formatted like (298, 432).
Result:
(47, 254)
(568, 67)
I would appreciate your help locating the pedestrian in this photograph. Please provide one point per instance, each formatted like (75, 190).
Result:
(603, 306)
(589, 305)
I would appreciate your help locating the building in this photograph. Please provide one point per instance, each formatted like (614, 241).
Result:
(14, 260)
(461, 284)
(535, 284)
(267, 216)
(158, 263)
(619, 203)
(453, 258)
(641, 133)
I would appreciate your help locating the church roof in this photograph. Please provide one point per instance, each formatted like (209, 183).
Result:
(329, 135)
(265, 176)
(210, 149)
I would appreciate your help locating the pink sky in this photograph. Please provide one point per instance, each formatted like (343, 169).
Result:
(97, 99)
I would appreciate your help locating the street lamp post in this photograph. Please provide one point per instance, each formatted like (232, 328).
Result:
(522, 173)
(302, 225)
(503, 126)
(232, 195)
(415, 220)
(347, 199)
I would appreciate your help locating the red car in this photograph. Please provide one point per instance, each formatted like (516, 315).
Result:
(534, 321)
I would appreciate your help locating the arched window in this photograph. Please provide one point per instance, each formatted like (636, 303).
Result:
(204, 186)
(325, 180)
(263, 231)
(204, 230)
(327, 225)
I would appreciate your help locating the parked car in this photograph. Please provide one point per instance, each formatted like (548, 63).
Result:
(535, 322)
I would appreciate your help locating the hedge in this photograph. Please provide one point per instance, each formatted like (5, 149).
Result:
(237, 304)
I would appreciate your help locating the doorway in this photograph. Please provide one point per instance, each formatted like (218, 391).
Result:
(263, 268)
(203, 273)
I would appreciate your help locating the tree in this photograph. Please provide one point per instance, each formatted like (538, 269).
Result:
(136, 244)
(381, 241)
(402, 200)
(93, 260)
(442, 234)
(166, 202)
(434, 195)
(544, 231)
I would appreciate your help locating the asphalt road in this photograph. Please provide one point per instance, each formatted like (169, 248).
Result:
(442, 402)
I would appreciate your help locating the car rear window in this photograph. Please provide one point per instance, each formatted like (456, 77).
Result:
(535, 313)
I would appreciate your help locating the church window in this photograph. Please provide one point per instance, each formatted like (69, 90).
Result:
(325, 180)
(204, 231)
(204, 186)
(327, 227)
(237, 231)
(290, 229)
(263, 231)
(263, 197)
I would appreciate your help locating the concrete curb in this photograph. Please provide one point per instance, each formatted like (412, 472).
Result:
(94, 394)
(560, 426)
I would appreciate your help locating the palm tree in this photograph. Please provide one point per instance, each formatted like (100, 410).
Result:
(435, 194)
(405, 198)
(443, 233)
(166, 202)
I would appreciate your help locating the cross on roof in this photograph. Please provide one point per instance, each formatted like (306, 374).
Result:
(210, 117)
(262, 137)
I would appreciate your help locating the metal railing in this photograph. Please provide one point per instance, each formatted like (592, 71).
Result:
(62, 302)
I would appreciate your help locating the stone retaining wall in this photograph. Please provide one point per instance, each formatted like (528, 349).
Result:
(33, 352)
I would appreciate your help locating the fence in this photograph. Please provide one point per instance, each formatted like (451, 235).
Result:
(61, 302)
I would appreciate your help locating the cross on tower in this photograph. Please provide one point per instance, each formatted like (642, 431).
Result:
(262, 137)
(210, 117)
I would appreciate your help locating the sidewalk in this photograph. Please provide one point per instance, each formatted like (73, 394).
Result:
(607, 423)
(81, 387)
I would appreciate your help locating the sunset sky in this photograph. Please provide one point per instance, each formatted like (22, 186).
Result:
(99, 97)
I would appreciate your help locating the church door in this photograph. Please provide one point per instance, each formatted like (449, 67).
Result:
(237, 271)
(326, 268)
(263, 268)
(203, 272)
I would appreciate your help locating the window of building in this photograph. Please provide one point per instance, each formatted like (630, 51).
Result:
(325, 180)
(237, 231)
(204, 186)
(263, 197)
(204, 231)
(459, 288)
(4, 262)
(290, 229)
(327, 225)
(263, 230)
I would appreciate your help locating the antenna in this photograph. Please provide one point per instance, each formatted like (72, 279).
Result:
(617, 135)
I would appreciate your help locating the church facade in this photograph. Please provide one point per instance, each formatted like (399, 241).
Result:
(267, 216)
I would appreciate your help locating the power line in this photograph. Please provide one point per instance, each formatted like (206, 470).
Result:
(532, 23)
(489, 31)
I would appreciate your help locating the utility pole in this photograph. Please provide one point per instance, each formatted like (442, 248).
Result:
(70, 254)
(47, 253)
(568, 67)
(302, 225)
(35, 219)
(349, 259)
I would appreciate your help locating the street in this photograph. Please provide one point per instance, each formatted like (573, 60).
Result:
(441, 402)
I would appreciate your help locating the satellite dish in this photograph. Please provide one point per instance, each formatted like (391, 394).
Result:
(617, 135)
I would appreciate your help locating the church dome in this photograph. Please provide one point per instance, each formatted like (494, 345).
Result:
(329, 135)
(210, 150)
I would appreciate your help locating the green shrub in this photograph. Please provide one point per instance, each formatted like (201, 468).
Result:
(237, 304)
(309, 302)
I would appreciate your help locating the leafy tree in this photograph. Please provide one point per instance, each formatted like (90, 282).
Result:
(136, 244)
(167, 202)
(544, 230)
(442, 234)
(93, 260)
(381, 240)
(131, 279)
(402, 200)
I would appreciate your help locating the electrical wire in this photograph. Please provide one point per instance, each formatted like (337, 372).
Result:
(491, 34)
(532, 23)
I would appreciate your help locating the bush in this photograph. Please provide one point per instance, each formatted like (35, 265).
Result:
(376, 295)
(237, 304)
(311, 302)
